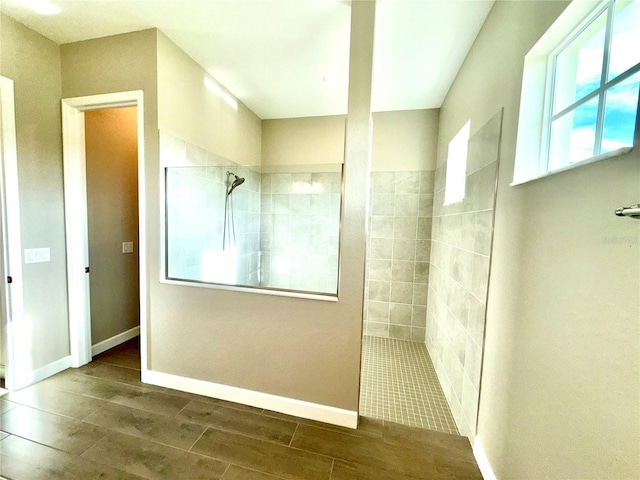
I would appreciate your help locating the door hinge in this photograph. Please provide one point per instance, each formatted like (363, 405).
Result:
(9, 279)
(86, 269)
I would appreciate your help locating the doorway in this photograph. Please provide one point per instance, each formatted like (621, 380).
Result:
(106, 247)
(112, 222)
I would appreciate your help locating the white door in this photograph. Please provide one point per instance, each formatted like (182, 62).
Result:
(16, 332)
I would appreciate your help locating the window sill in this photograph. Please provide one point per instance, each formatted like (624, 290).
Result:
(604, 156)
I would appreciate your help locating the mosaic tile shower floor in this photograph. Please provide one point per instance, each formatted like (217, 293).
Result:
(399, 384)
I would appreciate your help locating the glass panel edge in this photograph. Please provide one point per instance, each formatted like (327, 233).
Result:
(329, 297)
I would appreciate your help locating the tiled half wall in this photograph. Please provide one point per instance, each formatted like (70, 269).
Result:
(459, 276)
(398, 249)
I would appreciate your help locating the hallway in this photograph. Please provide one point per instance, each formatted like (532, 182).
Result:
(100, 421)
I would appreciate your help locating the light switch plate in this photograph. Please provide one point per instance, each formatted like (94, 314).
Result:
(127, 247)
(37, 255)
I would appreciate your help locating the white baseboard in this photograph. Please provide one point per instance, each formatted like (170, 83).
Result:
(483, 461)
(41, 373)
(289, 406)
(114, 341)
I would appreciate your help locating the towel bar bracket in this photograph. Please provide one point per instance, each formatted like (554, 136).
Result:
(633, 211)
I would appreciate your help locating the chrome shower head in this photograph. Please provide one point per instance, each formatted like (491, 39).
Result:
(236, 183)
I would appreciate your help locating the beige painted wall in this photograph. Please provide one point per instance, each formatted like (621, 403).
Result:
(117, 64)
(241, 339)
(191, 111)
(33, 63)
(405, 140)
(292, 347)
(402, 141)
(560, 389)
(111, 140)
(303, 141)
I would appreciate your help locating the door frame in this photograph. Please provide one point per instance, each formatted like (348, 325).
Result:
(18, 364)
(76, 226)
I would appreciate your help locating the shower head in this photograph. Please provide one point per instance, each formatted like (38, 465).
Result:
(236, 183)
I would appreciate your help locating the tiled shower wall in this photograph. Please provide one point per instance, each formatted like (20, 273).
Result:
(196, 190)
(299, 224)
(459, 277)
(398, 249)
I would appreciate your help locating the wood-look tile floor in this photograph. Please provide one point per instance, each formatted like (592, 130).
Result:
(101, 422)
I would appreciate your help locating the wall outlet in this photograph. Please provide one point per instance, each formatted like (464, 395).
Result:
(127, 247)
(37, 255)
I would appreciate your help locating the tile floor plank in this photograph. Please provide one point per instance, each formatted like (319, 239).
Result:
(124, 355)
(114, 373)
(353, 471)
(364, 451)
(263, 456)
(250, 424)
(72, 381)
(216, 401)
(455, 469)
(154, 461)
(238, 473)
(63, 433)
(21, 459)
(142, 398)
(443, 445)
(55, 401)
(150, 426)
(369, 427)
(139, 398)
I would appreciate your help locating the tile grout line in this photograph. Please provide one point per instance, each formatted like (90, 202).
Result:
(293, 435)
(182, 409)
(198, 439)
(225, 471)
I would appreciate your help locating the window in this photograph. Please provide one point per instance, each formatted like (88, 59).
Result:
(591, 83)
(456, 178)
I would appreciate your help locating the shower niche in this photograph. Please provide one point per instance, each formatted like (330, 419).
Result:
(229, 225)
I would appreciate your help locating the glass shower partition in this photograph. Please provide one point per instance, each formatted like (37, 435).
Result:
(239, 226)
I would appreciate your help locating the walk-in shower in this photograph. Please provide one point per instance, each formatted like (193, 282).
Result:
(228, 227)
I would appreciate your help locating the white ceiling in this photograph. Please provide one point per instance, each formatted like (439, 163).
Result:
(274, 54)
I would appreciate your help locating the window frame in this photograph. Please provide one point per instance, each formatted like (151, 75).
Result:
(600, 93)
(534, 140)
